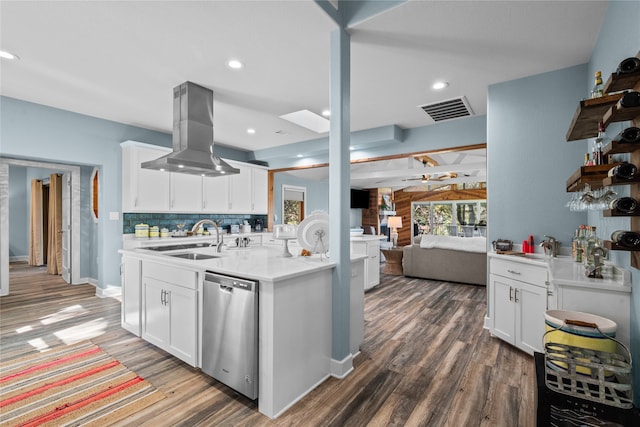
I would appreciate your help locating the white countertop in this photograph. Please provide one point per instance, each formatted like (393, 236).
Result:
(256, 263)
(564, 271)
(368, 237)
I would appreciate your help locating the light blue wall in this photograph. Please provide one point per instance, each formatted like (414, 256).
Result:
(317, 194)
(529, 160)
(619, 38)
(36, 132)
(18, 205)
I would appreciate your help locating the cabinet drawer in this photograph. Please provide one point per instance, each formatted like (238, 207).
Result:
(534, 274)
(170, 274)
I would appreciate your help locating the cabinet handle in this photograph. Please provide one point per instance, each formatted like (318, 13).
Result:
(135, 202)
(167, 297)
(514, 272)
(510, 293)
(162, 297)
(516, 299)
(550, 293)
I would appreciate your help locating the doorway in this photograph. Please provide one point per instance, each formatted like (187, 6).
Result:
(73, 243)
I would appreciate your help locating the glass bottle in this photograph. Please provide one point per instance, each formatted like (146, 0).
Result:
(591, 244)
(574, 245)
(581, 244)
(598, 146)
(597, 91)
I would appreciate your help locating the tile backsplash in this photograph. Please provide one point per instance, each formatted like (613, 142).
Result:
(171, 220)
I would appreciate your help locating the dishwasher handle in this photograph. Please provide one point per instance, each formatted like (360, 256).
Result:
(225, 288)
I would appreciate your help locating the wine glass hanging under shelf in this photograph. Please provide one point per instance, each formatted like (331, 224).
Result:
(591, 200)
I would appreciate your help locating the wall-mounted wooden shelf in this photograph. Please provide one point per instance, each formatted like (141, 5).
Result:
(592, 175)
(617, 113)
(614, 147)
(611, 180)
(618, 82)
(588, 115)
(614, 213)
(615, 247)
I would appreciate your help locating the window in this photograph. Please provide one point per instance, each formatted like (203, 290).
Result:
(293, 208)
(461, 218)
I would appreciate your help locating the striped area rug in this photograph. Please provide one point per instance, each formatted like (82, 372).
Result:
(71, 385)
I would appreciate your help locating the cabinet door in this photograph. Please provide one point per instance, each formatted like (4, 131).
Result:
(152, 187)
(183, 324)
(240, 190)
(260, 191)
(155, 319)
(531, 304)
(131, 295)
(216, 194)
(502, 307)
(186, 193)
(372, 264)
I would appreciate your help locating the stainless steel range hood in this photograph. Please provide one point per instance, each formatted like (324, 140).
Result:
(192, 135)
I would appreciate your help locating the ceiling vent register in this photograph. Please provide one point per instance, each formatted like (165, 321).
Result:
(448, 110)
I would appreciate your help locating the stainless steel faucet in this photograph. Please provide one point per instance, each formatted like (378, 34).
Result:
(551, 246)
(200, 223)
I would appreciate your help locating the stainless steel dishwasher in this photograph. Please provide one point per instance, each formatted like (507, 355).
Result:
(230, 332)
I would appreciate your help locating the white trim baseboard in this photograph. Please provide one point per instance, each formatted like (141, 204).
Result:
(341, 368)
(109, 292)
(23, 258)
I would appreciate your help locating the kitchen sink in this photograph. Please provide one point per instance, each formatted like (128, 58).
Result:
(194, 256)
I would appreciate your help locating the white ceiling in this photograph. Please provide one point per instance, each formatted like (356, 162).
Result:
(120, 60)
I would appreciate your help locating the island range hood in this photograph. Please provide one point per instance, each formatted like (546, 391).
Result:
(192, 135)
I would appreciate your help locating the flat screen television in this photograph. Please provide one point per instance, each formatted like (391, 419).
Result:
(359, 199)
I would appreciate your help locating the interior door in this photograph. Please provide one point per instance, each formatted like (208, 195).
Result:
(66, 227)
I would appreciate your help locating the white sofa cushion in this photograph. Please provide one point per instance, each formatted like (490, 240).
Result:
(465, 244)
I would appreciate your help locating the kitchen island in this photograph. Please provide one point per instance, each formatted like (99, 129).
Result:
(162, 303)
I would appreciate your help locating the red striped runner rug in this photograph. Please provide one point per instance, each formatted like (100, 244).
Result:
(77, 385)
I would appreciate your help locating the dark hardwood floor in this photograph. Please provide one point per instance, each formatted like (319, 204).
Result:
(425, 360)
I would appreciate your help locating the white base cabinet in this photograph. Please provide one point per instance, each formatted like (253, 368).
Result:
(130, 279)
(517, 303)
(170, 310)
(371, 248)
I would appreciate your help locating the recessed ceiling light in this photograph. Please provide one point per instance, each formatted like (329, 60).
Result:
(180, 166)
(299, 155)
(326, 113)
(235, 64)
(8, 55)
(351, 147)
(440, 85)
(251, 131)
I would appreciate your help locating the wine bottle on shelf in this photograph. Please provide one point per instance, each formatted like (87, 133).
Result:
(624, 204)
(597, 92)
(626, 239)
(623, 171)
(630, 99)
(629, 65)
(630, 135)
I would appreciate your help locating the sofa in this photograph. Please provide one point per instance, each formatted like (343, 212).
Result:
(448, 258)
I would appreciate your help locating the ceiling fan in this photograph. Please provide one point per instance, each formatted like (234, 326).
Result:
(434, 177)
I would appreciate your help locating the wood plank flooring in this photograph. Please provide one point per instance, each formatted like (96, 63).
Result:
(425, 360)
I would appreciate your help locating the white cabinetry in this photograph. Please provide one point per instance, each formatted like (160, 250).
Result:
(216, 194)
(371, 248)
(186, 193)
(143, 190)
(612, 302)
(146, 190)
(517, 302)
(170, 310)
(130, 275)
